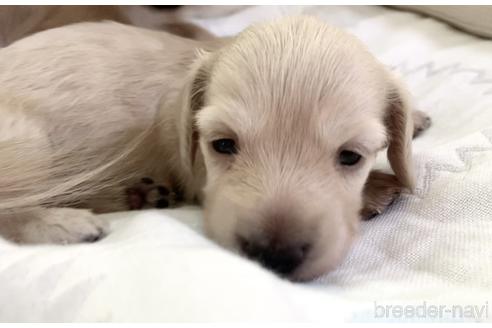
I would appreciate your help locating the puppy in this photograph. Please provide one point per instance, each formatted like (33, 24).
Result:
(274, 131)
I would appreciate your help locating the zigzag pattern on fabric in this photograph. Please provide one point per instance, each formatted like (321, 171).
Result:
(479, 76)
(465, 154)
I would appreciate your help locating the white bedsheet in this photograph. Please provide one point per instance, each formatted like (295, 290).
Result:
(430, 249)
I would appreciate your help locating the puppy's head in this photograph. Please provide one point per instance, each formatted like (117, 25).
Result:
(289, 118)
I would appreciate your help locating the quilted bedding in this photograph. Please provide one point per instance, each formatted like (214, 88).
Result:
(427, 258)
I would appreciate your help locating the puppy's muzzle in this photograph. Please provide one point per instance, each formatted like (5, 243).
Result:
(281, 257)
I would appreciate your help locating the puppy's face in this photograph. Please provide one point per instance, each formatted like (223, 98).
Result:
(292, 118)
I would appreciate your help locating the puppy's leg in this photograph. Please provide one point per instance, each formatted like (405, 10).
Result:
(380, 191)
(51, 225)
(421, 122)
(148, 193)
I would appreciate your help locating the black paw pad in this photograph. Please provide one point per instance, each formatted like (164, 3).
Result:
(149, 194)
(162, 203)
(147, 180)
(163, 190)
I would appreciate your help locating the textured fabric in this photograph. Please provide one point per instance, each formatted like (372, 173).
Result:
(432, 248)
(473, 19)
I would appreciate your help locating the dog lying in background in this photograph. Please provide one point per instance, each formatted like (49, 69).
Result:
(274, 131)
(17, 22)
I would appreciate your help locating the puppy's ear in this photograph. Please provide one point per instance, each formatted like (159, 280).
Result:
(197, 101)
(399, 124)
(194, 98)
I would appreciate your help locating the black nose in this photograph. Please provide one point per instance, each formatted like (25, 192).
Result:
(283, 259)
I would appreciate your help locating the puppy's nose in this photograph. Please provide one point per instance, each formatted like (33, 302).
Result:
(282, 259)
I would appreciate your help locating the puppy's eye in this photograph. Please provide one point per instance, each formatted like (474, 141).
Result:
(224, 146)
(348, 158)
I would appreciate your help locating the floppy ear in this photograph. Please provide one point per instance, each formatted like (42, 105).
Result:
(399, 125)
(193, 99)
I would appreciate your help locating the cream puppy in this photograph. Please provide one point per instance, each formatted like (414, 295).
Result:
(274, 131)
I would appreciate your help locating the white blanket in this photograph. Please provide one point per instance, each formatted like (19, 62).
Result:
(432, 250)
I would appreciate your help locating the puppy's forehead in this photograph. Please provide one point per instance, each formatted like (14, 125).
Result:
(299, 66)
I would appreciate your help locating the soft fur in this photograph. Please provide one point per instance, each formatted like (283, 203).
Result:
(88, 110)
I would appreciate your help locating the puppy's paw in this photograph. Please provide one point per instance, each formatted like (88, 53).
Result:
(59, 226)
(380, 191)
(421, 122)
(149, 194)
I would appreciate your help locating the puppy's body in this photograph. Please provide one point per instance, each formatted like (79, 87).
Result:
(103, 95)
(90, 109)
